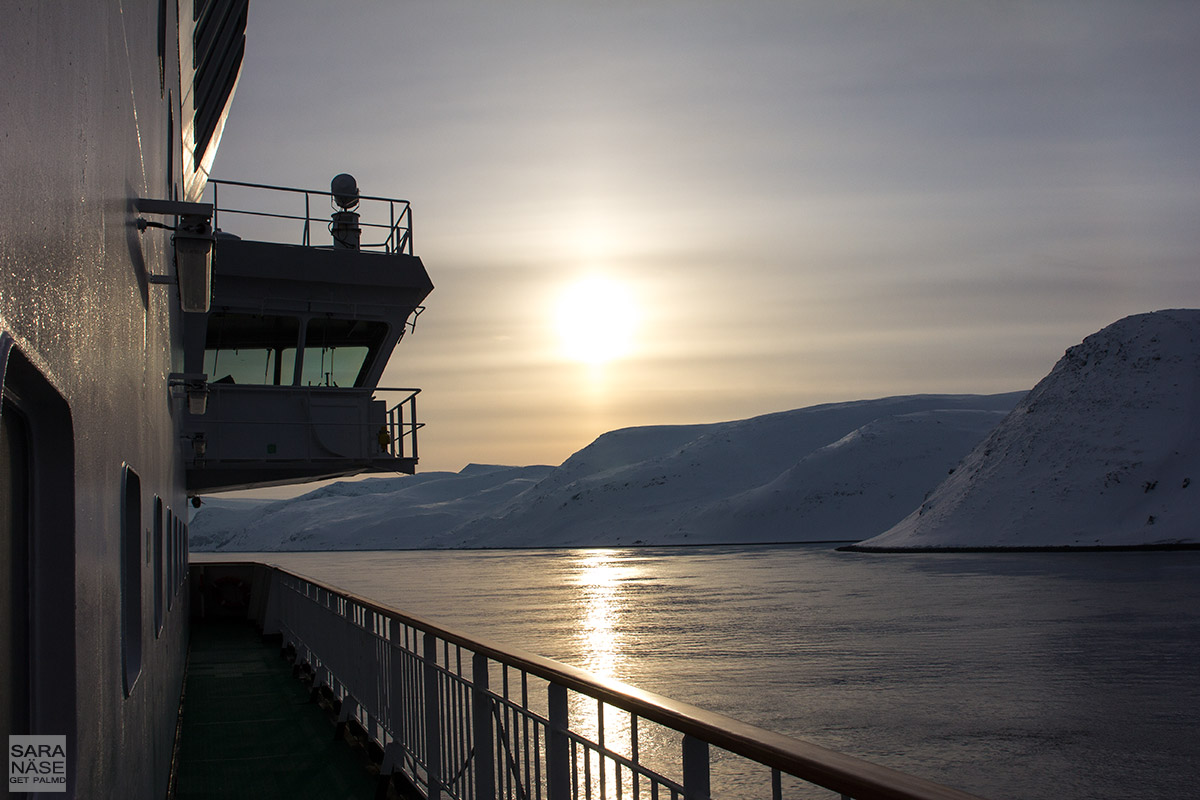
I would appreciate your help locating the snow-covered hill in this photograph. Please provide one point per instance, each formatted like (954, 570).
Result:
(814, 474)
(1105, 451)
(372, 514)
(830, 472)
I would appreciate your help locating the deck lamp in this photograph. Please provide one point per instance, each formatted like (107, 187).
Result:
(193, 242)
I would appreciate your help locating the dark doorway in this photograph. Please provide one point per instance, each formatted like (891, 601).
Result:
(37, 548)
(15, 469)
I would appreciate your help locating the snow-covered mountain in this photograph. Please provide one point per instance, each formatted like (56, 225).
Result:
(830, 472)
(1105, 451)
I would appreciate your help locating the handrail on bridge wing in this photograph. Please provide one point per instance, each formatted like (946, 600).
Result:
(377, 214)
(401, 425)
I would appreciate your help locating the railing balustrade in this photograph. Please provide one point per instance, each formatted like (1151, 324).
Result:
(387, 217)
(402, 425)
(464, 719)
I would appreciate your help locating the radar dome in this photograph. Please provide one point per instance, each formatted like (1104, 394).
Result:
(344, 189)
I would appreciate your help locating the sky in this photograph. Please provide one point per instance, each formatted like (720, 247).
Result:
(762, 205)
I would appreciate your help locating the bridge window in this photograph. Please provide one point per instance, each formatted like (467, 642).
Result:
(218, 46)
(340, 352)
(254, 349)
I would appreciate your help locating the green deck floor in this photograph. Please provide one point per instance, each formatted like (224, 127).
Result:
(249, 729)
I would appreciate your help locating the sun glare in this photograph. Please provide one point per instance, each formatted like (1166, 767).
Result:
(596, 320)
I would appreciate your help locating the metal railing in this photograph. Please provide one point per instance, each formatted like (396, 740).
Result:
(402, 426)
(461, 718)
(390, 218)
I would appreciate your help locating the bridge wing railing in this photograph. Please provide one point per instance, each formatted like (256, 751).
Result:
(289, 215)
(469, 720)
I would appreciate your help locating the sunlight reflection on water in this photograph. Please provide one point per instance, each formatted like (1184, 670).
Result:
(600, 578)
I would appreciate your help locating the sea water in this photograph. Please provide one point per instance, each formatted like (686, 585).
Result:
(1033, 675)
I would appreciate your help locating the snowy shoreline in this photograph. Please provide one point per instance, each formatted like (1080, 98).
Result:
(1059, 548)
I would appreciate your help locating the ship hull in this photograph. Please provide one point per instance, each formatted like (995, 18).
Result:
(90, 99)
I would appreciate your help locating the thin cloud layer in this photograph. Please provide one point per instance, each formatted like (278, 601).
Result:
(813, 202)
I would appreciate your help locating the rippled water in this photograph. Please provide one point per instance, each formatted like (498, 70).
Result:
(1036, 675)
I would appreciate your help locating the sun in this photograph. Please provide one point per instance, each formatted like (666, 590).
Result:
(595, 318)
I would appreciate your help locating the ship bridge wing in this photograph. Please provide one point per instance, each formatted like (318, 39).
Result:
(285, 367)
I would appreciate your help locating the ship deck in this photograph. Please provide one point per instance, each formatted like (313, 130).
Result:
(249, 728)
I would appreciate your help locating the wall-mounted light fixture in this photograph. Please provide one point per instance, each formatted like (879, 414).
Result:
(195, 388)
(199, 445)
(193, 241)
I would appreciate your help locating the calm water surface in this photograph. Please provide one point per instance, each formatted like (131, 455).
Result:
(1008, 675)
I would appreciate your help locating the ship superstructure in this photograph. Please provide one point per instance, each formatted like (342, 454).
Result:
(288, 359)
(130, 331)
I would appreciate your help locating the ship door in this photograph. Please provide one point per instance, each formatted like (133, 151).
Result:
(14, 572)
(37, 555)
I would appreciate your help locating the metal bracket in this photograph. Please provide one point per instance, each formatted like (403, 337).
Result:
(173, 208)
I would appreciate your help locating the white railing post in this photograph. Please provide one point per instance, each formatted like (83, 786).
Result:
(695, 768)
(433, 717)
(398, 702)
(481, 733)
(412, 416)
(347, 712)
(558, 746)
